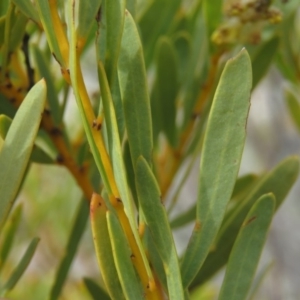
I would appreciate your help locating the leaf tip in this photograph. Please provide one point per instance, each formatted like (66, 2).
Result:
(97, 202)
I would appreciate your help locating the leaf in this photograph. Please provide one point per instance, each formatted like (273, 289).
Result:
(130, 172)
(43, 8)
(21, 267)
(258, 280)
(108, 46)
(117, 159)
(103, 247)
(28, 9)
(166, 88)
(18, 145)
(197, 69)
(222, 151)
(109, 41)
(134, 93)
(3, 7)
(115, 145)
(17, 31)
(84, 106)
(156, 261)
(212, 12)
(71, 249)
(95, 290)
(5, 123)
(52, 94)
(293, 107)
(9, 233)
(157, 221)
(131, 285)
(271, 183)
(131, 7)
(247, 249)
(38, 155)
(183, 46)
(263, 59)
(156, 21)
(242, 184)
(86, 18)
(6, 108)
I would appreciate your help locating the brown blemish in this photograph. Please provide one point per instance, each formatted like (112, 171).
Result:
(249, 221)
(96, 125)
(197, 226)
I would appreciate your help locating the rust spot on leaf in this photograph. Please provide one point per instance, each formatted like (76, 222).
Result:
(197, 226)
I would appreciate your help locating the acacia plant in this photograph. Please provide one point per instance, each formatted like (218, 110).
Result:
(174, 81)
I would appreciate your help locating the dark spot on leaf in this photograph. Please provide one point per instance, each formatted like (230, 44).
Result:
(249, 221)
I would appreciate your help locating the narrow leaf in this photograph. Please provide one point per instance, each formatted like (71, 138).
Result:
(271, 183)
(166, 86)
(38, 155)
(22, 266)
(18, 145)
(108, 46)
(242, 184)
(155, 21)
(222, 151)
(9, 234)
(103, 247)
(134, 92)
(293, 107)
(76, 233)
(117, 159)
(213, 13)
(263, 59)
(131, 285)
(86, 18)
(43, 8)
(52, 94)
(28, 9)
(247, 249)
(95, 290)
(157, 221)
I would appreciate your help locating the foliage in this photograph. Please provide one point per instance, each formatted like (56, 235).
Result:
(174, 82)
